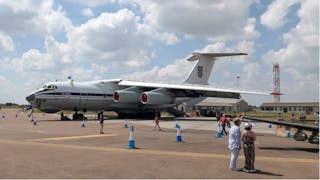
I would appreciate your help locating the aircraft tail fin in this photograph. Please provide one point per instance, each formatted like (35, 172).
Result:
(202, 69)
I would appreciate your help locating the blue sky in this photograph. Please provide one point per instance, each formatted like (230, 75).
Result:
(41, 41)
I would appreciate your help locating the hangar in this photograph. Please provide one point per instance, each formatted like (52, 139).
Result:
(291, 107)
(221, 104)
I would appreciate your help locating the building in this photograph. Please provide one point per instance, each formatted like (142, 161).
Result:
(291, 107)
(224, 104)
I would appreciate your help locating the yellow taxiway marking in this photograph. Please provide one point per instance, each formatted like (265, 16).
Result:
(157, 152)
(72, 137)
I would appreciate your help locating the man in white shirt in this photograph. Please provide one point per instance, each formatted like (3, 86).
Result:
(234, 143)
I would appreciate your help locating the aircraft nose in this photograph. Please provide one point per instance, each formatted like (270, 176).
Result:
(30, 98)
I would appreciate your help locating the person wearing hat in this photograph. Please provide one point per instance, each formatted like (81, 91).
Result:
(234, 143)
(248, 137)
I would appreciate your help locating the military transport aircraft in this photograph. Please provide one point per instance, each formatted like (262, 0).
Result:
(299, 135)
(133, 97)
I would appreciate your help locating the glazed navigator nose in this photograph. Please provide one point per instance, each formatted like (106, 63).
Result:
(30, 98)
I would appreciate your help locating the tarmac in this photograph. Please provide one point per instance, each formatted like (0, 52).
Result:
(63, 149)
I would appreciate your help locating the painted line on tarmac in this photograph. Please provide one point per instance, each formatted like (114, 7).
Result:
(157, 152)
(72, 137)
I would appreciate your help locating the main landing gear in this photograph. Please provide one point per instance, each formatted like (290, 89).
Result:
(77, 116)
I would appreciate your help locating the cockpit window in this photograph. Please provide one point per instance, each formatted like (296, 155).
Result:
(50, 87)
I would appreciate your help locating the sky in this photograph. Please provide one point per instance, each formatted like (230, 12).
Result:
(149, 40)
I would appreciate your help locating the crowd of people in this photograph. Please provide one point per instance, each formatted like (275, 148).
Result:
(237, 139)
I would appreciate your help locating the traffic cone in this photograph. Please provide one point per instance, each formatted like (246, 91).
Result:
(288, 134)
(270, 126)
(126, 124)
(83, 123)
(179, 139)
(131, 144)
(219, 134)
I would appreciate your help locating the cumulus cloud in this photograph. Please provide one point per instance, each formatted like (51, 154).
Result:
(37, 17)
(112, 37)
(175, 72)
(216, 20)
(35, 61)
(6, 43)
(87, 12)
(276, 14)
(93, 3)
(300, 57)
(111, 40)
(179, 70)
(301, 54)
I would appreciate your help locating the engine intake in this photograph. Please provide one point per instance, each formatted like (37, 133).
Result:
(152, 97)
(130, 95)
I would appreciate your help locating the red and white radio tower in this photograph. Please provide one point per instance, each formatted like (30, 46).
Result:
(276, 82)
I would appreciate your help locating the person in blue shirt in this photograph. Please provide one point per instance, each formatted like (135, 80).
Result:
(234, 143)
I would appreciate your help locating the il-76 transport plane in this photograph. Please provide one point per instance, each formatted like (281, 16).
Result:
(133, 97)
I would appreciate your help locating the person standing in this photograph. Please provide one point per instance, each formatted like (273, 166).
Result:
(293, 118)
(316, 119)
(248, 137)
(223, 121)
(302, 118)
(218, 115)
(234, 143)
(280, 118)
(156, 121)
(101, 121)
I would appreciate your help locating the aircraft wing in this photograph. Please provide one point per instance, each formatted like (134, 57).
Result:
(191, 90)
(289, 124)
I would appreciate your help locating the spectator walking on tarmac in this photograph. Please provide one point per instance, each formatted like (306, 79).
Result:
(156, 121)
(234, 143)
(101, 120)
(248, 137)
(223, 122)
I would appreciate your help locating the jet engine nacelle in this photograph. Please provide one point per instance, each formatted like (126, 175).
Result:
(126, 96)
(300, 136)
(152, 97)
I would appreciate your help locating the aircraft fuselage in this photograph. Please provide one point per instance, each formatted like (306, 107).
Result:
(86, 96)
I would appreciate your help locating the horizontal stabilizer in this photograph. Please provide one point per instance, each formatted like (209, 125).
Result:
(196, 55)
(202, 69)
